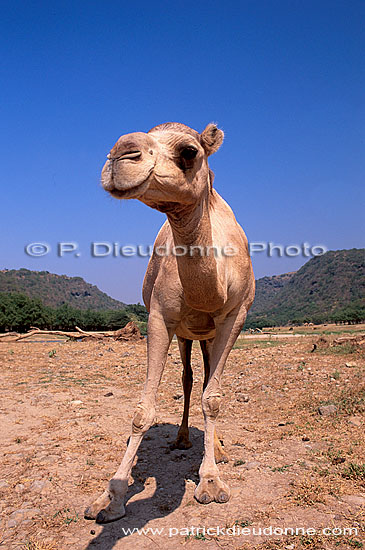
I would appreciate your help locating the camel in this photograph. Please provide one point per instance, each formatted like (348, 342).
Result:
(194, 287)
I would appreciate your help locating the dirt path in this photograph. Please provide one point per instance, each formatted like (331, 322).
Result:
(66, 410)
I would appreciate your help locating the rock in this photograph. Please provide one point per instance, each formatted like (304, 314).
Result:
(265, 388)
(327, 410)
(23, 513)
(19, 488)
(109, 394)
(354, 500)
(126, 354)
(350, 365)
(77, 402)
(41, 486)
(355, 421)
(305, 438)
(252, 465)
(242, 398)
(4, 484)
(12, 523)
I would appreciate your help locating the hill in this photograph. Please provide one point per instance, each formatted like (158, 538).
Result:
(55, 290)
(323, 288)
(266, 290)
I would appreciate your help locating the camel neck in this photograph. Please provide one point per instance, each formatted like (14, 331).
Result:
(197, 264)
(191, 224)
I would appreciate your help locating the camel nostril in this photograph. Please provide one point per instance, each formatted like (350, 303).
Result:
(101, 517)
(130, 155)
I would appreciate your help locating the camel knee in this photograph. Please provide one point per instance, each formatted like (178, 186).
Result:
(211, 404)
(143, 419)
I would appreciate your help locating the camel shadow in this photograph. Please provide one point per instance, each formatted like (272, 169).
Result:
(169, 469)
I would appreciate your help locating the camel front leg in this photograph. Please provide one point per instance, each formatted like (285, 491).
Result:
(211, 487)
(219, 452)
(110, 505)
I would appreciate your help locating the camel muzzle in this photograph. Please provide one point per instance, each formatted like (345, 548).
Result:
(130, 163)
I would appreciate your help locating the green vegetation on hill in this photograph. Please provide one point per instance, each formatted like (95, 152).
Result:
(49, 301)
(19, 313)
(55, 290)
(327, 288)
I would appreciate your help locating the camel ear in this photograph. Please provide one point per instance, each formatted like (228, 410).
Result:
(211, 138)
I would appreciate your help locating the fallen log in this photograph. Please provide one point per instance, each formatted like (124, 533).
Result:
(39, 332)
(127, 333)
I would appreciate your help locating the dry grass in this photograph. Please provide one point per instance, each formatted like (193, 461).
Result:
(355, 471)
(34, 544)
(308, 492)
(61, 518)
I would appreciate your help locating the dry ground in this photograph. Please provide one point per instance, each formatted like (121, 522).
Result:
(66, 411)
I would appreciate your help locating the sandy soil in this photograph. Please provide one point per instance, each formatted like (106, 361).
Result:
(66, 411)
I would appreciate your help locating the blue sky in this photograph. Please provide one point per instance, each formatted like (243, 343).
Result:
(284, 79)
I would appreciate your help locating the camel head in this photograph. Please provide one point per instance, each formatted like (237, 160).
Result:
(168, 165)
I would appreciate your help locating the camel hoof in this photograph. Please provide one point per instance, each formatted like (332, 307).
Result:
(181, 445)
(212, 488)
(101, 517)
(88, 514)
(205, 498)
(223, 497)
(107, 515)
(99, 504)
(109, 506)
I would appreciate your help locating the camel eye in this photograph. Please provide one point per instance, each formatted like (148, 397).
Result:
(188, 153)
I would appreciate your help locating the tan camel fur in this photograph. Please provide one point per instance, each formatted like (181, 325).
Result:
(193, 290)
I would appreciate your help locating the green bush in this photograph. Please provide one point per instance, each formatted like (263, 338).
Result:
(19, 313)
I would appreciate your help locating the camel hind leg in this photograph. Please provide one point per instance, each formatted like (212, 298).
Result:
(182, 441)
